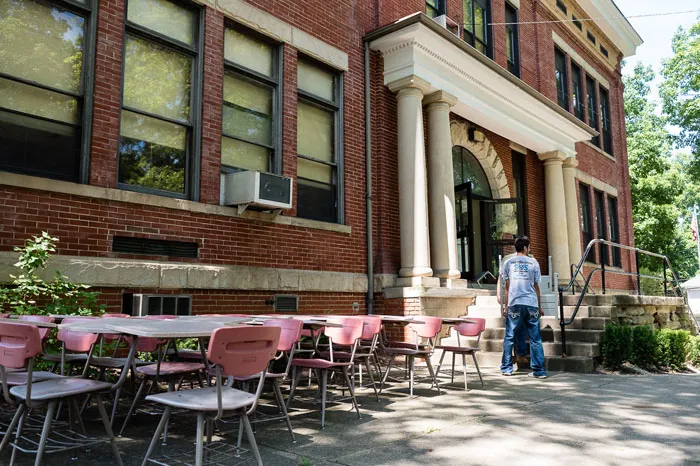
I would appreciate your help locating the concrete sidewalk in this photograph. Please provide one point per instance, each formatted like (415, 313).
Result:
(566, 419)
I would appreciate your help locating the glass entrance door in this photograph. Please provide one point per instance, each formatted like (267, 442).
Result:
(465, 230)
(502, 223)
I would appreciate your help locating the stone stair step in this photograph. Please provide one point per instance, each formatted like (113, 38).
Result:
(552, 334)
(578, 364)
(550, 348)
(593, 323)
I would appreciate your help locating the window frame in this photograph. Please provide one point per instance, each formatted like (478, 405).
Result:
(276, 84)
(439, 11)
(577, 22)
(337, 108)
(563, 83)
(606, 142)
(592, 98)
(591, 37)
(519, 164)
(577, 103)
(601, 226)
(488, 31)
(604, 51)
(614, 227)
(85, 97)
(585, 217)
(514, 65)
(193, 127)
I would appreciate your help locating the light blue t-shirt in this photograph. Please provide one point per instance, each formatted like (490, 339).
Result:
(523, 272)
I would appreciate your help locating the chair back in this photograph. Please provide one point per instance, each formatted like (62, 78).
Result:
(346, 335)
(469, 329)
(43, 332)
(18, 342)
(149, 344)
(290, 332)
(78, 342)
(430, 327)
(113, 336)
(243, 351)
(4, 316)
(372, 326)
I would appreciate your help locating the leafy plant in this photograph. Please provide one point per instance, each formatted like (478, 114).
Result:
(672, 348)
(694, 350)
(643, 346)
(31, 294)
(617, 345)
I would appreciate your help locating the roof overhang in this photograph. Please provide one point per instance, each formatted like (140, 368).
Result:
(615, 26)
(416, 47)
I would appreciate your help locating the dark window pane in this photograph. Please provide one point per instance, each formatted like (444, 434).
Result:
(586, 227)
(592, 108)
(606, 131)
(577, 91)
(614, 231)
(316, 201)
(37, 147)
(577, 22)
(590, 36)
(561, 5)
(603, 256)
(512, 45)
(152, 153)
(561, 77)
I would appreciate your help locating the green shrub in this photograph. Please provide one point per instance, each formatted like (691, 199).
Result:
(694, 350)
(617, 345)
(643, 345)
(672, 348)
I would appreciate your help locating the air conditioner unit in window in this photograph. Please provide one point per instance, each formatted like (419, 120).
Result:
(158, 304)
(255, 189)
(447, 23)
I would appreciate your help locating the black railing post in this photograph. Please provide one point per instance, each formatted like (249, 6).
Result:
(639, 277)
(562, 323)
(665, 280)
(602, 271)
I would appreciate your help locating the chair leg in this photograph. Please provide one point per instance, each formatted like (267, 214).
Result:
(251, 439)
(133, 406)
(295, 382)
(20, 426)
(452, 377)
(371, 378)
(386, 373)
(199, 452)
(156, 435)
(411, 365)
(240, 433)
(45, 432)
(432, 373)
(478, 371)
(464, 370)
(108, 427)
(280, 401)
(19, 414)
(352, 390)
(437, 371)
(323, 383)
(73, 403)
(116, 403)
(375, 359)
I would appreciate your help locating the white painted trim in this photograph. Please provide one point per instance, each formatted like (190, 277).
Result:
(487, 95)
(273, 27)
(108, 272)
(515, 3)
(596, 183)
(620, 32)
(118, 195)
(518, 148)
(600, 151)
(566, 48)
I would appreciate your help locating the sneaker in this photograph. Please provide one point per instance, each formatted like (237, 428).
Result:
(507, 374)
(537, 376)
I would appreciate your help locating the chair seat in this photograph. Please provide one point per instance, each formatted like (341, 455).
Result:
(190, 354)
(403, 344)
(406, 351)
(318, 363)
(60, 388)
(205, 399)
(343, 355)
(114, 363)
(170, 368)
(457, 349)
(56, 357)
(20, 378)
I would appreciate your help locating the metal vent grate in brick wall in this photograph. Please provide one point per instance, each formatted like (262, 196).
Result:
(286, 303)
(154, 247)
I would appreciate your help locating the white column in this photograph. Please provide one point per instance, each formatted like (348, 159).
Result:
(413, 209)
(441, 193)
(573, 224)
(555, 208)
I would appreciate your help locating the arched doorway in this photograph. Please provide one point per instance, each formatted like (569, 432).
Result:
(484, 224)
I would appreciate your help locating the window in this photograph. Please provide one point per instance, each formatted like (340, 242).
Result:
(592, 108)
(159, 100)
(577, 22)
(434, 8)
(614, 231)
(251, 100)
(475, 20)
(591, 37)
(512, 40)
(601, 231)
(586, 223)
(562, 6)
(562, 81)
(604, 51)
(606, 132)
(577, 90)
(319, 171)
(44, 91)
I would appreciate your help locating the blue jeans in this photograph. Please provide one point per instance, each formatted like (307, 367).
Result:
(521, 341)
(527, 317)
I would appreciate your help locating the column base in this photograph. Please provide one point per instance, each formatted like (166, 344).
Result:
(454, 283)
(415, 272)
(447, 273)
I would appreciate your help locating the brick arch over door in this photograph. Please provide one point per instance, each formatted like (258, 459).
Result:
(487, 156)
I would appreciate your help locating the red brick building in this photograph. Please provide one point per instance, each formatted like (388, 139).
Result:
(127, 128)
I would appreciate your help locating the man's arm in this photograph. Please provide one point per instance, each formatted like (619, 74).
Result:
(505, 299)
(539, 301)
(498, 289)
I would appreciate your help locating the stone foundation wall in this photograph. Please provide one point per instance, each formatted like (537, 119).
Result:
(660, 312)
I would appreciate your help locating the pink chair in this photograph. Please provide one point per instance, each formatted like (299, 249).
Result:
(465, 329)
(348, 335)
(76, 347)
(425, 327)
(19, 345)
(112, 336)
(238, 352)
(43, 332)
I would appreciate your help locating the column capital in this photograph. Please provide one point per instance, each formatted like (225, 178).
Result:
(440, 97)
(408, 82)
(571, 162)
(554, 157)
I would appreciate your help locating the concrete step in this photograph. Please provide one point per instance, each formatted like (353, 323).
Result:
(580, 364)
(550, 348)
(593, 323)
(552, 334)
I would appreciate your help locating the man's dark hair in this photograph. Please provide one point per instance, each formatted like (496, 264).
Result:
(521, 242)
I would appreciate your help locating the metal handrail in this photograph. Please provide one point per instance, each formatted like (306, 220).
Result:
(666, 266)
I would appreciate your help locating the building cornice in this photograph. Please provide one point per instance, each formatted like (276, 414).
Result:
(617, 28)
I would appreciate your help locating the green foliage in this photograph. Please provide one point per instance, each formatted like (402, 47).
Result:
(617, 344)
(694, 350)
(31, 294)
(672, 348)
(643, 346)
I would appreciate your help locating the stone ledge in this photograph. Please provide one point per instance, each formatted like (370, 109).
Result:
(99, 271)
(422, 292)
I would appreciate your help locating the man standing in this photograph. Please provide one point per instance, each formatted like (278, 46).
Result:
(521, 351)
(522, 307)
